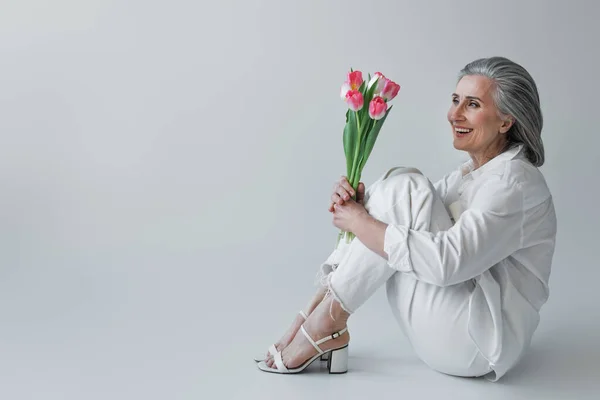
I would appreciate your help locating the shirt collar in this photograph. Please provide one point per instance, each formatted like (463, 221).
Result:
(513, 152)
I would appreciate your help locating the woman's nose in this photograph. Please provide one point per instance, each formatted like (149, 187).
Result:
(456, 114)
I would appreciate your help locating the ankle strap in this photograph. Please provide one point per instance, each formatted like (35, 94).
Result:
(321, 341)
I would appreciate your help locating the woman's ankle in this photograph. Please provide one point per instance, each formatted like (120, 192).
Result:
(315, 301)
(337, 312)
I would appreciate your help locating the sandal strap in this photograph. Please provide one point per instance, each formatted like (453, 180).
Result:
(272, 350)
(321, 341)
(279, 362)
(334, 335)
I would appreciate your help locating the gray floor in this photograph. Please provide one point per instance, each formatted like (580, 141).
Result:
(187, 327)
(382, 365)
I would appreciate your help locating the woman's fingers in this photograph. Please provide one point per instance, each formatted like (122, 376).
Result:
(335, 199)
(346, 185)
(360, 195)
(343, 194)
(342, 191)
(332, 207)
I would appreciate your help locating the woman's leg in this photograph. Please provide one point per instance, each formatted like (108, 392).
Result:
(326, 267)
(434, 318)
(435, 321)
(405, 197)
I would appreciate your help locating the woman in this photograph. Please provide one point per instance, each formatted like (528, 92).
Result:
(465, 261)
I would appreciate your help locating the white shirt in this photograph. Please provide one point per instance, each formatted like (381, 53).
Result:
(503, 239)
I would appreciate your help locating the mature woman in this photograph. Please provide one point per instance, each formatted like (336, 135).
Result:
(465, 261)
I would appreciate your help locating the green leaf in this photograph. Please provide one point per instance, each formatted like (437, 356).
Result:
(350, 139)
(368, 96)
(357, 172)
(362, 88)
(367, 131)
(362, 129)
(371, 139)
(363, 142)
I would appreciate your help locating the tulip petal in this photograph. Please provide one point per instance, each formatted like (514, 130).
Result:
(345, 89)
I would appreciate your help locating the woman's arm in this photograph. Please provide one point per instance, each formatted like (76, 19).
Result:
(486, 233)
(371, 232)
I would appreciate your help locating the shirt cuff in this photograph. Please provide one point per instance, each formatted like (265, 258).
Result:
(395, 245)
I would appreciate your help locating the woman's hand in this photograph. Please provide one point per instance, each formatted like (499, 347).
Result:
(342, 192)
(349, 215)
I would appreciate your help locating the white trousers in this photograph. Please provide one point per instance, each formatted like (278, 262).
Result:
(433, 318)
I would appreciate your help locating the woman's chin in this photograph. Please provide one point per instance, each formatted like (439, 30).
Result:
(459, 144)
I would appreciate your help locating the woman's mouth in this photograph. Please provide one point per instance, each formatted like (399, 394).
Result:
(461, 132)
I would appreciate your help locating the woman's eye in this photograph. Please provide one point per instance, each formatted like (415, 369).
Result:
(455, 101)
(473, 104)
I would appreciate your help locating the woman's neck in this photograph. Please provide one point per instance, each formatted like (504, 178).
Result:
(482, 157)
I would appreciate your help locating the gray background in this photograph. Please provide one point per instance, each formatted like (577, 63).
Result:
(165, 171)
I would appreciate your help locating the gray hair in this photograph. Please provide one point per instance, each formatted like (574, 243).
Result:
(515, 95)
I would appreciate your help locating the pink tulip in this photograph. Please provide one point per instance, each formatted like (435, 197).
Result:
(390, 90)
(355, 100)
(377, 108)
(355, 79)
(380, 79)
(353, 82)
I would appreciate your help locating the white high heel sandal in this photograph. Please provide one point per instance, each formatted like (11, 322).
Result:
(337, 363)
(273, 350)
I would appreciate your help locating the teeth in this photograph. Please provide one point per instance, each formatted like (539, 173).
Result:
(463, 130)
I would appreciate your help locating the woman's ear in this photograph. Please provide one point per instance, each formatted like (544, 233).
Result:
(507, 123)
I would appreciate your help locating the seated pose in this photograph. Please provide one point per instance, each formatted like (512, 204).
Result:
(465, 261)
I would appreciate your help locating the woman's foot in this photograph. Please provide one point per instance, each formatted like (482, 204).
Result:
(318, 325)
(286, 339)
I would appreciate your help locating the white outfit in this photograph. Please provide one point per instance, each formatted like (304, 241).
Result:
(468, 264)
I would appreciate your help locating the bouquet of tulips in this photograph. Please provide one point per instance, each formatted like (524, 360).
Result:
(363, 123)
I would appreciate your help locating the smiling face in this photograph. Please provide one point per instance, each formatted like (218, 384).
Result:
(477, 127)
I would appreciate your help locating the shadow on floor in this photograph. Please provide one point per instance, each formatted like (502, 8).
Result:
(560, 362)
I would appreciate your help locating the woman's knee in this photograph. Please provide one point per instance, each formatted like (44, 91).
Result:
(400, 171)
(400, 188)
(403, 181)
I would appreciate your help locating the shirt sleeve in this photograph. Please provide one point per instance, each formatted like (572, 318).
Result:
(486, 233)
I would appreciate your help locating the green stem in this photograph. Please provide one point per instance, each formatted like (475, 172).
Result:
(352, 177)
